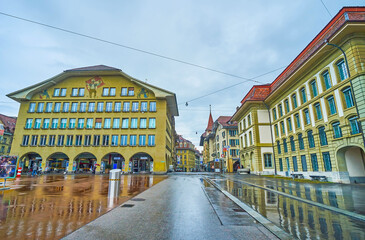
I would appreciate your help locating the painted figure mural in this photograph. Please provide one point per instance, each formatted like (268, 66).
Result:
(93, 84)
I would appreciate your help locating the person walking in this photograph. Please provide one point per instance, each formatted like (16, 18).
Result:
(35, 168)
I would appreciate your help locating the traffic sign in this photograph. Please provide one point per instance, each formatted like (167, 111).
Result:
(216, 160)
(222, 155)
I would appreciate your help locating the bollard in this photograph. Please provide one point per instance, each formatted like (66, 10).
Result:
(19, 173)
(114, 183)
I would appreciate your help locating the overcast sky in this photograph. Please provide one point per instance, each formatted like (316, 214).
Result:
(243, 38)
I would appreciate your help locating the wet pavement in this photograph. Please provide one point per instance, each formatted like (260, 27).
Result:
(300, 219)
(52, 206)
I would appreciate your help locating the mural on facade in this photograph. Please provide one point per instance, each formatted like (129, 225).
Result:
(143, 93)
(44, 94)
(2, 130)
(93, 84)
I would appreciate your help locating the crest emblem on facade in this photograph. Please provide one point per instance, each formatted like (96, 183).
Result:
(93, 84)
(44, 94)
(143, 93)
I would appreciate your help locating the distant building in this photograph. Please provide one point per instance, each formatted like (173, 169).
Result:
(7, 127)
(185, 155)
(95, 117)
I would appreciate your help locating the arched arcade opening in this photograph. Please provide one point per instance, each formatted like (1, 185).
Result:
(141, 163)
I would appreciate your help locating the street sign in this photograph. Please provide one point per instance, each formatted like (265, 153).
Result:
(227, 147)
(222, 155)
(216, 160)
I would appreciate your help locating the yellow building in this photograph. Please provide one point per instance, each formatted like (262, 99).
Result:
(311, 109)
(95, 117)
(7, 127)
(185, 155)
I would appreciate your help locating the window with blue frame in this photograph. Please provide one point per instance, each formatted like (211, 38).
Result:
(304, 163)
(281, 164)
(151, 140)
(294, 100)
(310, 139)
(354, 125)
(326, 80)
(303, 95)
(314, 162)
(342, 70)
(280, 110)
(282, 127)
(142, 140)
(295, 164)
(268, 160)
(322, 136)
(133, 140)
(331, 105)
(307, 116)
(314, 88)
(297, 120)
(278, 146)
(286, 102)
(300, 141)
(327, 161)
(289, 124)
(348, 97)
(123, 140)
(292, 143)
(285, 146)
(337, 133)
(274, 113)
(317, 106)
(276, 130)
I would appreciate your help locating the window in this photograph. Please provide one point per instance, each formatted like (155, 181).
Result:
(132, 140)
(60, 140)
(285, 146)
(112, 92)
(49, 107)
(63, 123)
(114, 140)
(280, 110)
(286, 102)
(123, 140)
(326, 80)
(108, 107)
(100, 107)
(107, 122)
(25, 140)
(295, 164)
(267, 159)
(134, 122)
(250, 136)
(292, 143)
(81, 92)
(327, 161)
(314, 88)
(74, 92)
(282, 127)
(223, 134)
(151, 140)
(34, 140)
(281, 164)
(80, 123)
(348, 97)
(317, 106)
(276, 130)
(46, 123)
(342, 70)
(331, 105)
(52, 139)
(116, 122)
(72, 123)
(37, 123)
(126, 106)
(307, 116)
(124, 91)
(43, 140)
(289, 124)
(300, 141)
(337, 133)
(125, 123)
(152, 106)
(87, 140)
(131, 91)
(40, 107)
(274, 113)
(304, 163)
(74, 107)
(66, 107)
(105, 92)
(142, 140)
(91, 107)
(135, 106)
(83, 107)
(57, 107)
(105, 140)
(152, 123)
(303, 95)
(297, 120)
(96, 140)
(354, 125)
(322, 136)
(56, 92)
(143, 106)
(89, 123)
(117, 106)
(143, 123)
(98, 123)
(310, 139)
(249, 120)
(78, 140)
(29, 123)
(314, 162)
(31, 107)
(278, 146)
(63, 92)
(294, 100)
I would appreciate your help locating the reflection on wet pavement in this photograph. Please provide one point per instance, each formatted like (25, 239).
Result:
(52, 206)
(303, 221)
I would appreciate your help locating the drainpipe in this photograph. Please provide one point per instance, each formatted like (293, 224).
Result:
(272, 138)
(351, 86)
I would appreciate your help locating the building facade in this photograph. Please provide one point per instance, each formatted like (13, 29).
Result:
(315, 107)
(95, 117)
(7, 127)
(185, 155)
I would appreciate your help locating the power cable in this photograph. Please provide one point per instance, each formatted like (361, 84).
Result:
(326, 8)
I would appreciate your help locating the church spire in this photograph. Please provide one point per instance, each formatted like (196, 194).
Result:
(210, 121)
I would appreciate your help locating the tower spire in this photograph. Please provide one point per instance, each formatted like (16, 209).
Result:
(210, 121)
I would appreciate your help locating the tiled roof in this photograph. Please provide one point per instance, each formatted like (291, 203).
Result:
(94, 68)
(257, 93)
(9, 123)
(225, 121)
(210, 123)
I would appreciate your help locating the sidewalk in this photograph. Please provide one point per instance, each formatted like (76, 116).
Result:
(176, 208)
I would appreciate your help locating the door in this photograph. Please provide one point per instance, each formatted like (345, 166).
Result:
(135, 165)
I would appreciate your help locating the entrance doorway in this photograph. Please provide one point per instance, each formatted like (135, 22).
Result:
(142, 163)
(354, 158)
(113, 161)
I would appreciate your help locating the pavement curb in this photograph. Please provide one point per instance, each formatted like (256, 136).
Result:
(278, 232)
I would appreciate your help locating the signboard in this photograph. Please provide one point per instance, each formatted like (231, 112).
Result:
(8, 166)
(143, 158)
(216, 160)
(217, 170)
(227, 146)
(116, 158)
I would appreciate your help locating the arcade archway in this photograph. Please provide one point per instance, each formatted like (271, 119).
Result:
(57, 162)
(28, 160)
(84, 162)
(113, 161)
(352, 160)
(141, 163)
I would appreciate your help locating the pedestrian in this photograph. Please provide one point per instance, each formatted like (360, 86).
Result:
(35, 168)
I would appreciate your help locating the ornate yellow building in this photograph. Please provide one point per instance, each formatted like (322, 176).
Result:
(185, 155)
(95, 117)
(313, 109)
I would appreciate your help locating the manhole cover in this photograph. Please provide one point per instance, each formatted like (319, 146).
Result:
(127, 205)
(238, 210)
(138, 199)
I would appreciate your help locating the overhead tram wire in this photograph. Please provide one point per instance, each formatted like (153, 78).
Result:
(124, 46)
